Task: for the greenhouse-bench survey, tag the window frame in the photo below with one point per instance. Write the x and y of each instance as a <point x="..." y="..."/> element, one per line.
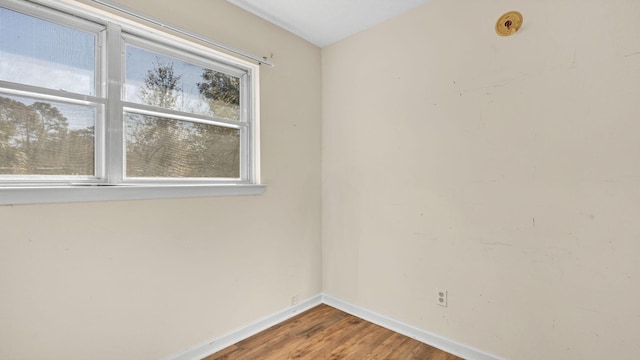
<point x="109" y="181"/>
<point x="243" y="124"/>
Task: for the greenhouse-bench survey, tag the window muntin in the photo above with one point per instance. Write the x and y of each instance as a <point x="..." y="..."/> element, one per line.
<point x="225" y="127"/>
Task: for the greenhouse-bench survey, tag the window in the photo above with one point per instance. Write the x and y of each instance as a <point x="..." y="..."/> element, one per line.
<point x="96" y="110"/>
<point x="50" y="98"/>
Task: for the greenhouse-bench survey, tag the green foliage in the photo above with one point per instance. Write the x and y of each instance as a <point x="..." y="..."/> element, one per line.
<point x="222" y="91"/>
<point x="220" y="87"/>
<point x="161" y="86"/>
<point x="36" y="140"/>
<point x="165" y="147"/>
<point x="180" y="148"/>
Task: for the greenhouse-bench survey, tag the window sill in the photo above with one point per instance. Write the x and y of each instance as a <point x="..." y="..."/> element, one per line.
<point x="66" y="194"/>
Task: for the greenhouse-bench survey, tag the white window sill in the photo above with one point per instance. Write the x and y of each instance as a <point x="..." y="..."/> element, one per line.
<point x="65" y="194"/>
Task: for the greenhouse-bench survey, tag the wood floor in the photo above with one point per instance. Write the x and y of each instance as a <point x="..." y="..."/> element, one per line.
<point x="325" y="333"/>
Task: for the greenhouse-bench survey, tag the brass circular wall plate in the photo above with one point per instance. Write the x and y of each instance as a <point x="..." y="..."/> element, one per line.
<point x="509" y="23"/>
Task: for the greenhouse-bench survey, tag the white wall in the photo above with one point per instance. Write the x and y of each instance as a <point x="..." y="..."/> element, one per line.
<point x="504" y="170"/>
<point x="148" y="279"/>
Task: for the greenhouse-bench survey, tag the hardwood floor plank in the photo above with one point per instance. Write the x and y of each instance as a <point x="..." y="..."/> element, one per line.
<point x="281" y="334"/>
<point x="389" y="348"/>
<point x="320" y="346"/>
<point x="325" y="333"/>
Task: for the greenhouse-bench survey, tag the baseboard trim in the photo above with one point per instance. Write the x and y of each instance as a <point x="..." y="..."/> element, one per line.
<point x="206" y="349"/>
<point x="426" y="337"/>
<point x="442" y="343"/>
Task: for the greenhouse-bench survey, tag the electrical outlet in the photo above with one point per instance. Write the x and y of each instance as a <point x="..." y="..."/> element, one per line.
<point x="294" y="300"/>
<point x="441" y="298"/>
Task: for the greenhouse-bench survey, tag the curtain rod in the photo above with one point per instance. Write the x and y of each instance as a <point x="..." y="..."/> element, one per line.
<point x="130" y="12"/>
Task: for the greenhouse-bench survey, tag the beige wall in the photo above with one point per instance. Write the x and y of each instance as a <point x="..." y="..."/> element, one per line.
<point x="147" y="279"/>
<point x="504" y="170"/>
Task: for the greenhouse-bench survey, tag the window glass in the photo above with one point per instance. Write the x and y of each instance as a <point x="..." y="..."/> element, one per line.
<point x="170" y="148"/>
<point x="42" y="137"/>
<point x="40" y="53"/>
<point x="163" y="81"/>
<point x="88" y="103"/>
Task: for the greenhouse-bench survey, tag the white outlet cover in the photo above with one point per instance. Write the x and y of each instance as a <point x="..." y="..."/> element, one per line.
<point x="441" y="297"/>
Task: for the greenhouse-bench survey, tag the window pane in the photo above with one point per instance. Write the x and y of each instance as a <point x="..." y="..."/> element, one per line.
<point x="40" y="53"/>
<point x="40" y="137"/>
<point x="162" y="147"/>
<point x="163" y="81"/>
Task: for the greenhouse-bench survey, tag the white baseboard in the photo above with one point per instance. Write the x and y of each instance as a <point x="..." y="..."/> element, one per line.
<point x="450" y="346"/>
<point x="426" y="337"/>
<point x="204" y="350"/>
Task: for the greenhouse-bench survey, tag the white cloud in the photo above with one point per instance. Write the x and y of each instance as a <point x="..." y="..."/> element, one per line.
<point x="38" y="72"/>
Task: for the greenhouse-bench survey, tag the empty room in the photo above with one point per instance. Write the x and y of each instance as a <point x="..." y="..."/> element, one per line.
<point x="179" y="178"/>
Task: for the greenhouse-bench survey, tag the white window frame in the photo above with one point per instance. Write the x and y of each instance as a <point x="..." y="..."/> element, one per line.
<point x="110" y="182"/>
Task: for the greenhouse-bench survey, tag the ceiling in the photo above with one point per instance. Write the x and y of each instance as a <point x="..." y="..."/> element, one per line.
<point x="323" y="22"/>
